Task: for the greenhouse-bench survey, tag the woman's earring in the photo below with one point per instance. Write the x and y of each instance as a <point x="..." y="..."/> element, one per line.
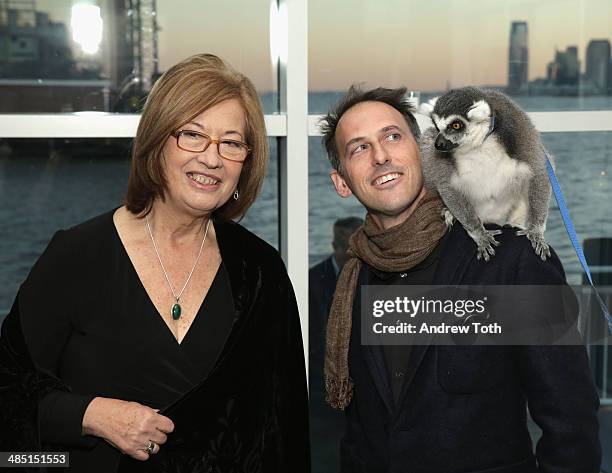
<point x="236" y="195"/>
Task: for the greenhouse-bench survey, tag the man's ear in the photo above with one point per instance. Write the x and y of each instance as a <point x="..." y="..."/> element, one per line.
<point x="342" y="188"/>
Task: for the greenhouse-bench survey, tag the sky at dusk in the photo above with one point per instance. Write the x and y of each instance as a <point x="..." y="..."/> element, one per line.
<point x="426" y="45"/>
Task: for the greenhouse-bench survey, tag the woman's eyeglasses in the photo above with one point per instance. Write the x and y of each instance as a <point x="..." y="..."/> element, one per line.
<point x="197" y="142"/>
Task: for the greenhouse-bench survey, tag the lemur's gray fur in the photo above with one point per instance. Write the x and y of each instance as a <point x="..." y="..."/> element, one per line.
<point x="486" y="160"/>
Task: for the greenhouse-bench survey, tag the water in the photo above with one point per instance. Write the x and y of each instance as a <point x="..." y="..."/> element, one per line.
<point x="321" y="102"/>
<point x="40" y="195"/>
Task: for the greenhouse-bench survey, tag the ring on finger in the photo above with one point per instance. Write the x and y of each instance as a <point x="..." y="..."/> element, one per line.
<point x="150" y="447"/>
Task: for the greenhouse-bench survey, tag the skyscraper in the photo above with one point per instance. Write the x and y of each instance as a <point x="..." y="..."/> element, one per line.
<point x="597" y="63"/>
<point x="565" y="69"/>
<point x="518" y="56"/>
<point x="572" y="65"/>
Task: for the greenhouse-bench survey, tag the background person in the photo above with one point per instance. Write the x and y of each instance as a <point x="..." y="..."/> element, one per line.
<point x="321" y="286"/>
<point x="326" y="425"/>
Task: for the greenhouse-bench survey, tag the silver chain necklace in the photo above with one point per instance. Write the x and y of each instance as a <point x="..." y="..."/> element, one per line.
<point x="176" y="308"/>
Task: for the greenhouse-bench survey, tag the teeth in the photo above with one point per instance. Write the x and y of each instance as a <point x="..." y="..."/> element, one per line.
<point x="202" y="179"/>
<point x="386" y="178"/>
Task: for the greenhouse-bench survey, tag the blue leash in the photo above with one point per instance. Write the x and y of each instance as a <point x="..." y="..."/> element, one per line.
<point x="569" y="226"/>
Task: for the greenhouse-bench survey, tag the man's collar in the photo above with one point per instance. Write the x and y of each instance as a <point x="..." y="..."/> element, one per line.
<point x="335" y="265"/>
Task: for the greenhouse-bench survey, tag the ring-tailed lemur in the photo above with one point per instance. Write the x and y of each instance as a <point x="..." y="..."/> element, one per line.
<point x="486" y="160"/>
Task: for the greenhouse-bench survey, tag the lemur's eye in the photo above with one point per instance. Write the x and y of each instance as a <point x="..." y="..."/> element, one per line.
<point x="457" y="125"/>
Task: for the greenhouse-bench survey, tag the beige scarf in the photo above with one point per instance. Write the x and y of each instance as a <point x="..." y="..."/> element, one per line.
<point x="397" y="249"/>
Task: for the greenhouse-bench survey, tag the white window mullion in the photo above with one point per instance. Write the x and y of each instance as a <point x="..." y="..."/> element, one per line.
<point x="545" y="122"/>
<point x="293" y="176"/>
<point x="92" y="125"/>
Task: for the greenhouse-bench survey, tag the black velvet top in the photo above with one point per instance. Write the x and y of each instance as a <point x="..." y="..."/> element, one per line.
<point x="83" y="326"/>
<point x="115" y="345"/>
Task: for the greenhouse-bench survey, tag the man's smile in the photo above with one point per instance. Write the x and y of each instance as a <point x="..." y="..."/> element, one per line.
<point x="385" y="178"/>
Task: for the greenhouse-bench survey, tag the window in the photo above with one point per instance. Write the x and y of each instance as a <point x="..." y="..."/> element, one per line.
<point x="105" y="55"/>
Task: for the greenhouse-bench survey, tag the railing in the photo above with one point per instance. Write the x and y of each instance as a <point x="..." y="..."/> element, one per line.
<point x="593" y="322"/>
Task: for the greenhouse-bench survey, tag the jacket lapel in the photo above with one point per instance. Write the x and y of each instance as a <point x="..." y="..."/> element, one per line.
<point x="375" y="359"/>
<point x="373" y="354"/>
<point x="245" y="280"/>
<point x="455" y="258"/>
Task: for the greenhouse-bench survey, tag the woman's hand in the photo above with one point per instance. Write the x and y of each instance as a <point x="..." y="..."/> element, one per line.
<point x="128" y="426"/>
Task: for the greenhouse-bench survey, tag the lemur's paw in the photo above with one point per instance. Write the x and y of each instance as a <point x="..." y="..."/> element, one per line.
<point x="538" y="243"/>
<point x="485" y="240"/>
<point x="448" y="217"/>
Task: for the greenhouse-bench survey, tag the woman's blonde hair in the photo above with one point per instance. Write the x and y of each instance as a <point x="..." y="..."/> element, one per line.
<point x="182" y="93"/>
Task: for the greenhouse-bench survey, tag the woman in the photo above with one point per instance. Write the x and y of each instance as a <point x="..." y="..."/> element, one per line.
<point x="162" y="329"/>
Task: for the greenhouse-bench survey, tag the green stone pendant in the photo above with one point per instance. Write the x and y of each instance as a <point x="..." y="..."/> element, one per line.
<point x="176" y="311"/>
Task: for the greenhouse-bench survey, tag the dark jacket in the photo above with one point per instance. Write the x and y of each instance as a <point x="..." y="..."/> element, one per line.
<point x="464" y="408"/>
<point x="321" y="286"/>
<point x="250" y="414"/>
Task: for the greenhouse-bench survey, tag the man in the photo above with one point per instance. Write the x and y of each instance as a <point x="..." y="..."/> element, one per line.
<point x="430" y="409"/>
<point x="326" y="424"/>
<point x="321" y="286"/>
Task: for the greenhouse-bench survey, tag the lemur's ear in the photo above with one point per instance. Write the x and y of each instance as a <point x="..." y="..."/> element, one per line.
<point x="480" y="111"/>
<point x="427" y="108"/>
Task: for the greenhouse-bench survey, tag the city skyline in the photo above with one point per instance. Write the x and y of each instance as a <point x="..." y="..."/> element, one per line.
<point x="425" y="46"/>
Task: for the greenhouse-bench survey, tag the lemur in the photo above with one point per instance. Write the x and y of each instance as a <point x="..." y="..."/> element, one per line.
<point x="486" y="160"/>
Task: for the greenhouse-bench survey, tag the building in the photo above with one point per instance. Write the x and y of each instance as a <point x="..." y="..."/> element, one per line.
<point x="518" y="57"/>
<point x="598" y="64"/>
<point x="31" y="45"/>
<point x="565" y="69"/>
<point x="43" y="69"/>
